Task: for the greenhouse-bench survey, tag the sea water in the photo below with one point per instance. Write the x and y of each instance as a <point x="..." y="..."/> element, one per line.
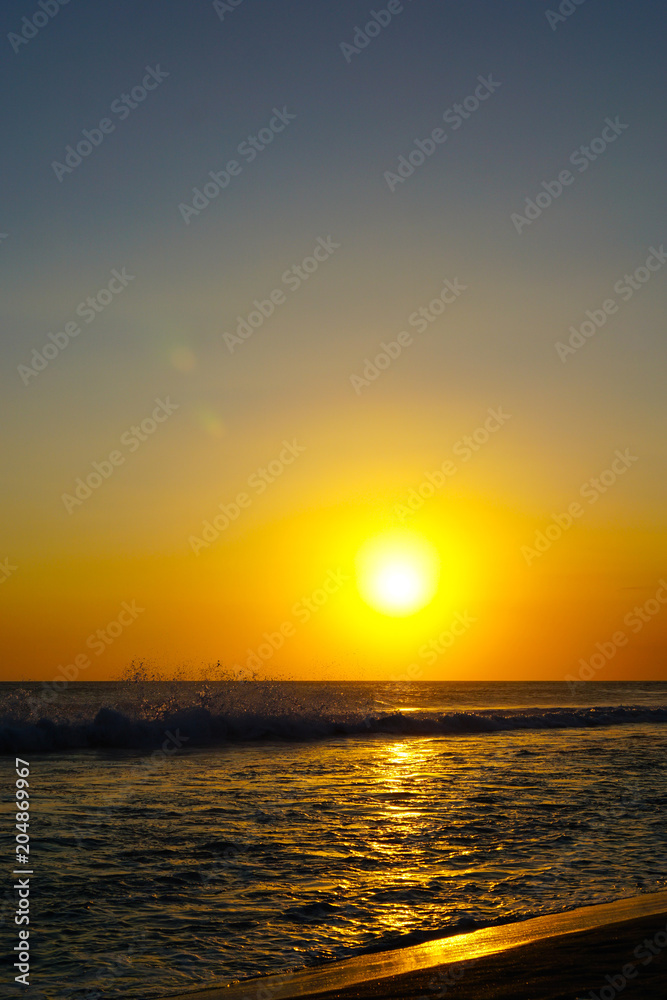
<point x="188" y="834"/>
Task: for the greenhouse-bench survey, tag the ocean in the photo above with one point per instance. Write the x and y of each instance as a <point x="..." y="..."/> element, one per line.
<point x="186" y="834"/>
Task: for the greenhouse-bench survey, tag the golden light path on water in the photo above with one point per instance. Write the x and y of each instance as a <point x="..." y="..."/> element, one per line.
<point x="462" y="947"/>
<point x="320" y="822"/>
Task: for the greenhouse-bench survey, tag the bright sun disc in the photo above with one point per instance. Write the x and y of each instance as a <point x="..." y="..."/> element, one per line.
<point x="397" y="572"/>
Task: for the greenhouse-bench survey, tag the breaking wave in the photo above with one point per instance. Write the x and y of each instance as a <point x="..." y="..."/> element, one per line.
<point x="201" y="726"/>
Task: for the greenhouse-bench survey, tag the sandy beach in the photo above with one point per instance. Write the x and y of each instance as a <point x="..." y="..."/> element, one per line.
<point x="592" y="953"/>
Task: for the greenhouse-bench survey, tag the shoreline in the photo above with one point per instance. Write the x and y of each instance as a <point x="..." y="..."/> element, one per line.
<point x="608" y="949"/>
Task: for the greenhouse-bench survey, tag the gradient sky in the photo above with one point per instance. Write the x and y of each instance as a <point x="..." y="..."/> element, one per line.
<point x="67" y="574"/>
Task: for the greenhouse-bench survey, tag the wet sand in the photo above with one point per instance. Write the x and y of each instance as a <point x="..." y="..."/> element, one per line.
<point x="593" y="953"/>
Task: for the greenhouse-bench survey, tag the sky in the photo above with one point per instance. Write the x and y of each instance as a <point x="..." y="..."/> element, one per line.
<point x="216" y="219"/>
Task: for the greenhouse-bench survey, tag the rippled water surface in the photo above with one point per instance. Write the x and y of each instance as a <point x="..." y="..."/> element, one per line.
<point x="173" y="853"/>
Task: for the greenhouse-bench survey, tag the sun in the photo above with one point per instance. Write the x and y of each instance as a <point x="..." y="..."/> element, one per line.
<point x="397" y="572"/>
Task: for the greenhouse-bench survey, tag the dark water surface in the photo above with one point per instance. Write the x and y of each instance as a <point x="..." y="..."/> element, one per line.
<point x="185" y="834"/>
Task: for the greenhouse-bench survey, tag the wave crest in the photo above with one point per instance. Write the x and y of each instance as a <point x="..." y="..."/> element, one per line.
<point x="200" y="726"/>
